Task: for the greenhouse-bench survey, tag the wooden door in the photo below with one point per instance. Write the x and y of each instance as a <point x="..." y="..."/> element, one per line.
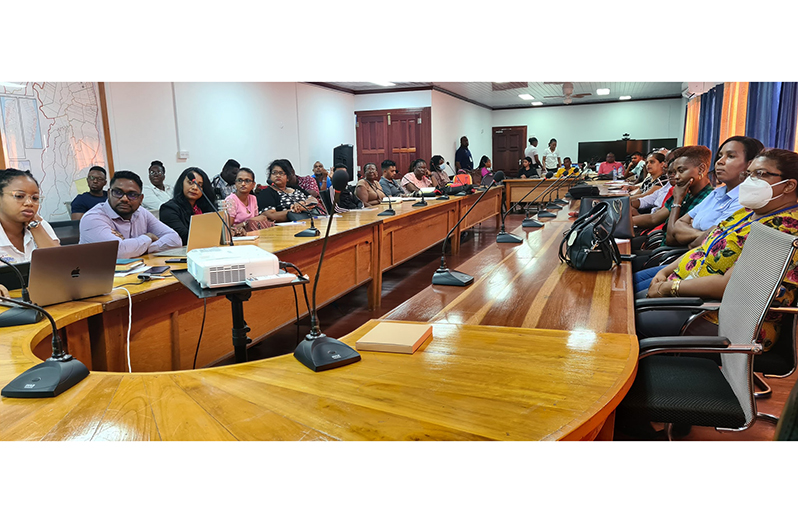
<point x="509" y="144"/>
<point x="401" y="135"/>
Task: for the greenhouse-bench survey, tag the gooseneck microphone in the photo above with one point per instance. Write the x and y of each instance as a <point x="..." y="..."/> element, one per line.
<point x="227" y="227"/>
<point x="318" y="352"/>
<point x="445" y="276"/>
<point x="309" y="232"/>
<point x="49" y="378"/>
<point x="20" y="315"/>
<point x="549" y="190"/>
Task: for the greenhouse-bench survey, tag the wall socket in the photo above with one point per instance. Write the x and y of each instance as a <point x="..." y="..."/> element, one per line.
<point x="182" y="155"/>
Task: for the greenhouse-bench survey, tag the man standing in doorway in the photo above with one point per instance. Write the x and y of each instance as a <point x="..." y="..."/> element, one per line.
<point x="462" y="157"/>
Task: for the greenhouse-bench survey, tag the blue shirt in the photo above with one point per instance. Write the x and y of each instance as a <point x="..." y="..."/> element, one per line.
<point x="715" y="208"/>
<point x="463" y="155"/>
<point x="390" y="188"/>
<point x="97" y="226"/>
<point x="84" y="202"/>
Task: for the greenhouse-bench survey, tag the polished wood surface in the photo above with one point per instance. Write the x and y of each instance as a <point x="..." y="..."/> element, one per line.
<point x="468" y="383"/>
<point x="526" y="285"/>
<point x="517" y="188"/>
<point x="481" y="377"/>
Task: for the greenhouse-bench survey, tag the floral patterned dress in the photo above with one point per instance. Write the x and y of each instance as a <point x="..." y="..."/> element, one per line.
<point x="720" y="251"/>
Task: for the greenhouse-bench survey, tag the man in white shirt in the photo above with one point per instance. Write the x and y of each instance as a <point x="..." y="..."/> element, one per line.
<point x="158" y="193"/>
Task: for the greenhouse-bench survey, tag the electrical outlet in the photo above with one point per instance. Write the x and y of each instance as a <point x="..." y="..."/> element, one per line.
<point x="182" y="155"/>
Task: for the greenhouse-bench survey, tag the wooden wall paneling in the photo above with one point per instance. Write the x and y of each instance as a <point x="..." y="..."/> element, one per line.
<point x="78" y="341"/>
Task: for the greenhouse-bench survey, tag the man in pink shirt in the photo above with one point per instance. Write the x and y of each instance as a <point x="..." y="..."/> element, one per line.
<point x="609" y="165"/>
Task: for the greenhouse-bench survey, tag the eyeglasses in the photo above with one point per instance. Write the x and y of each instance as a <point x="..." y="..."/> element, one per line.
<point x="96" y="178"/>
<point x="242" y="181"/>
<point x="155" y="173"/>
<point x="278" y="173"/>
<point x="132" y="195"/>
<point x="757" y="175"/>
<point x="22" y="197"/>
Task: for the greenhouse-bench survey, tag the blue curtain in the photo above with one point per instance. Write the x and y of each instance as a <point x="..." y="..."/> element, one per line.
<point x="772" y="113"/>
<point x="709" y="118"/>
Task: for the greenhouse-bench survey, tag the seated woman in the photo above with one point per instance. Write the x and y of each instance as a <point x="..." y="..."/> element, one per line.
<point x="438" y="176"/>
<point x="278" y="199"/>
<point x="188" y="201"/>
<point x="417" y="177"/>
<point x="768" y="196"/>
<point x="734" y="157"/>
<point x="526" y="170"/>
<point x="242" y="206"/>
<point x="368" y="188"/>
<point x="21" y="228"/>
<point x="691" y="165"/>
<point x="484" y="167"/>
<point x="652" y="196"/>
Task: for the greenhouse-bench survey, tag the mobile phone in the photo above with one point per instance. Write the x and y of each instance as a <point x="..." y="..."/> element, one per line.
<point x="176" y="260"/>
<point x="157" y="270"/>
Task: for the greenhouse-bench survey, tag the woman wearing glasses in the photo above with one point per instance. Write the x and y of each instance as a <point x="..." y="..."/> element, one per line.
<point x="21" y="228"/>
<point x="768" y="195"/>
<point x="242" y="206"/>
<point x="188" y="201"/>
<point x="280" y="198"/>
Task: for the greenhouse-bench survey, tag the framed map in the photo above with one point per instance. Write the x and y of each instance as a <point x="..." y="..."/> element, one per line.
<point x="55" y="130"/>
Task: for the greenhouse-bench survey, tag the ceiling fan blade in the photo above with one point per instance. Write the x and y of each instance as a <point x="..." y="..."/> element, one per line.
<point x="580" y="95"/>
<point x="552" y="97"/>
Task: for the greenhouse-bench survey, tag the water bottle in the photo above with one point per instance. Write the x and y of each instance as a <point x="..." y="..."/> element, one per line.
<point x="615" y="174"/>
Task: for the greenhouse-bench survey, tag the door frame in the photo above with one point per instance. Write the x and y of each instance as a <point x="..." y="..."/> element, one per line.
<point x="493" y="143"/>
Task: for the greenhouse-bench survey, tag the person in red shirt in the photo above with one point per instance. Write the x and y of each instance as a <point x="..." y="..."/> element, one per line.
<point x="609" y="164"/>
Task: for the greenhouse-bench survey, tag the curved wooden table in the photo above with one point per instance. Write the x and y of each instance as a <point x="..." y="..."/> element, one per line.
<point x="472" y="381"/>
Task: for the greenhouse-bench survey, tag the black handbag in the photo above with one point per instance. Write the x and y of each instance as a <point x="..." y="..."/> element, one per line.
<point x="589" y="245"/>
<point x="619" y="214"/>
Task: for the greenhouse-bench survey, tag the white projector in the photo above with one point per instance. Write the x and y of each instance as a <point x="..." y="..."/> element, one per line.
<point x="227" y="266"/>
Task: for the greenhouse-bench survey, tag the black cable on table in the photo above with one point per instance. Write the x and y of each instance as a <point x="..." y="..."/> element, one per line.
<point x="202" y="328"/>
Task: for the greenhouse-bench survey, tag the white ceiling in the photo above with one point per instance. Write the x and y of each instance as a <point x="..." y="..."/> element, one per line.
<point x="505" y="94"/>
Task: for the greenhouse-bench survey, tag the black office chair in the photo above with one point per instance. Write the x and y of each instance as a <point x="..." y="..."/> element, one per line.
<point x="68" y="231"/>
<point x="326" y="200"/>
<point x="787" y="427"/>
<point x="692" y="390"/>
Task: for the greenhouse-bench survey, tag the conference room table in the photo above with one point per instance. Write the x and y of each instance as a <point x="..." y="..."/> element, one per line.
<point x="530" y="351"/>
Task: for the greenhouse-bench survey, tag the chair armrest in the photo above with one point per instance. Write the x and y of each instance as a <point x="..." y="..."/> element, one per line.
<point x="668" y="302"/>
<point x="663" y="248"/>
<point x="665" y="256"/>
<point x="784" y="310"/>
<point x="694" y="345"/>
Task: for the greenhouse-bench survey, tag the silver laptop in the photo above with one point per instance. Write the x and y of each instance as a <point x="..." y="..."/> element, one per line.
<point x="205" y="230"/>
<point x="71" y="272"/>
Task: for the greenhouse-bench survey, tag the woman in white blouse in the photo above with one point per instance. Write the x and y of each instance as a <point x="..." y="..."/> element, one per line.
<point x="21" y="228"/>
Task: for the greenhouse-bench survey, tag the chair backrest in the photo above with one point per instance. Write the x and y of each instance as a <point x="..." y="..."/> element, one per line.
<point x="462" y="179"/>
<point x="757" y="274"/>
<point x="68" y="231"/>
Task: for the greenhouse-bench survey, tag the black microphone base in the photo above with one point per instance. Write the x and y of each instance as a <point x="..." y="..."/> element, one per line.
<point x="422" y="203"/>
<point x="531" y="222"/>
<point x="444" y="197"/>
<point x="560" y="201"/>
<point x="19" y="316"/>
<point x="451" y="278"/>
<point x="323" y="353"/>
<point x="46" y="380"/>
<point x="546" y="214"/>
<point x="387" y="212"/>
<point x="506" y="237"/>
<point x="308" y="233"/>
<point x="553" y="206"/>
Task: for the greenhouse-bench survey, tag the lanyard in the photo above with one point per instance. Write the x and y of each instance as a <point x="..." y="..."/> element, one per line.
<point x="736" y="227"/>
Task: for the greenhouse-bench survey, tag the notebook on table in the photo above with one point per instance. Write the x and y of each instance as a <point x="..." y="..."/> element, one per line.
<point x="205" y="230"/>
<point x="71" y="272"/>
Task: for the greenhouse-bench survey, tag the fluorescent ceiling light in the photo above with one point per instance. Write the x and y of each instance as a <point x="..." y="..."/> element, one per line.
<point x="602" y="91"/>
<point x="384" y="84"/>
<point x="526" y="96"/>
<point x="625" y="98"/>
<point x="537" y="103"/>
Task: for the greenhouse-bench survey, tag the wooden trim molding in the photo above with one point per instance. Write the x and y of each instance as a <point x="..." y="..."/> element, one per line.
<point x="106" y="128"/>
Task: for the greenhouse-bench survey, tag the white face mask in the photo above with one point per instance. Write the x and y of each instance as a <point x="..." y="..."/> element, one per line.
<point x="756" y="193"/>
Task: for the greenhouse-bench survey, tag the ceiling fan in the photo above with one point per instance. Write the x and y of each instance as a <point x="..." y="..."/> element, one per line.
<point x="567" y="92"/>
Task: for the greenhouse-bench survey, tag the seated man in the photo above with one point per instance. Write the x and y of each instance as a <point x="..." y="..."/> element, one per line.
<point x="607" y="167"/>
<point x="122" y="219"/>
<point x="387" y="182"/>
<point x="567" y="168"/>
<point x="97" y="178"/>
<point x="224" y="183"/>
<point x="636" y="167"/>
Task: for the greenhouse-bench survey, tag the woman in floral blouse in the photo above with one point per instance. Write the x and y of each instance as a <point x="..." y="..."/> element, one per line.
<point x="768" y="195"/>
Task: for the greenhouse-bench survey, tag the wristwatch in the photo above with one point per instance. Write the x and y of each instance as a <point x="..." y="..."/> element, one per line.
<point x="33" y="224"/>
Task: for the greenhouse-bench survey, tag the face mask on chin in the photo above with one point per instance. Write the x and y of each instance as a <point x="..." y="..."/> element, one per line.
<point x="755" y="193"/>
